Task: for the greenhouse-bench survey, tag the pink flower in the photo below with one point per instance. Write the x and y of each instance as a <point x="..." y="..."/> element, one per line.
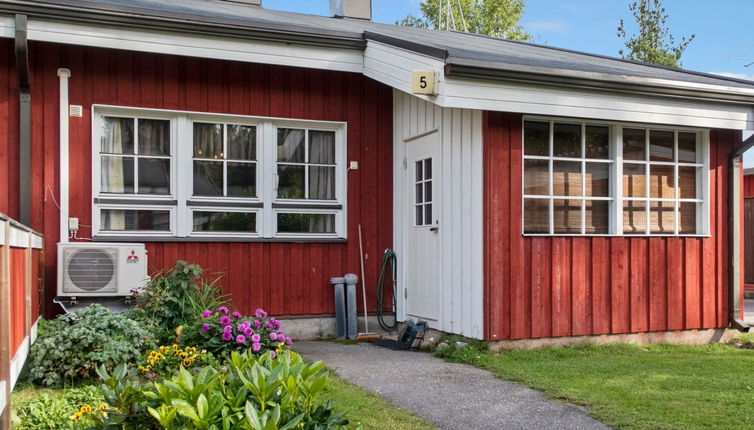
<point x="205" y="327"/>
<point x="223" y="309"/>
<point x="225" y="320"/>
<point x="256" y="338"/>
<point x="260" y="313"/>
<point x="227" y="336"/>
<point x="237" y="314"/>
<point x="248" y="331"/>
<point x="289" y="341"/>
<point x="281" y="335"/>
<point x="241" y="327"/>
<point x="258" y="323"/>
<point x="256" y="346"/>
<point x="206" y="314"/>
<point x="273" y="354"/>
<point x="273" y="336"/>
<point x="269" y="325"/>
<point x="240" y="338"/>
<point x="228" y="329"/>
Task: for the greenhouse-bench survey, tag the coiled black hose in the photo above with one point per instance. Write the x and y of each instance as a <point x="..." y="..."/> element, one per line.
<point x="387" y="258"/>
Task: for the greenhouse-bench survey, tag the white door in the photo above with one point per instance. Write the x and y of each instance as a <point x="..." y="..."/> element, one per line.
<point x="422" y="220"/>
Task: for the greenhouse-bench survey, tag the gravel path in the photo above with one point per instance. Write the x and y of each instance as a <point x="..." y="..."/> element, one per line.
<point x="452" y="396"/>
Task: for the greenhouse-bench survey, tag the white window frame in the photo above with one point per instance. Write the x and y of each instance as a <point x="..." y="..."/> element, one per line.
<point x="182" y="203"/>
<point x="616" y="199"/>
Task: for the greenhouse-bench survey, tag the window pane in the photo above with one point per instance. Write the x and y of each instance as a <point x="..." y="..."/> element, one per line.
<point x="242" y="142"/>
<point x="661" y="182"/>
<point x="419" y="193"/>
<point x="117" y="174"/>
<point x="597" y="179"/>
<point x="566" y="140"/>
<point x="597" y="216"/>
<point x="242" y="179"/>
<point x="687" y="218"/>
<point x="634" y="217"/>
<point x="225" y="221"/>
<point x="306" y="223"/>
<point x="208" y="178"/>
<point x="154" y="137"/>
<point x="154" y="176"/>
<point x="597" y="142"/>
<point x="662" y="217"/>
<point x="687" y="147"/>
<point x="687" y="182"/>
<point x="536" y="216"/>
<point x="291" y="145"/>
<point x="567" y="216"/>
<point x="634" y="180"/>
<point x="322" y="147"/>
<point x="428" y="168"/>
<point x="634" y="144"/>
<point x="428" y="191"/>
<point x="661" y="145"/>
<point x="208" y="140"/>
<point x="536" y="138"/>
<point x="419" y="215"/>
<point x="132" y="220"/>
<point x="117" y="135"/>
<point x="419" y="165"/>
<point x="291" y="182"/>
<point x="428" y="214"/>
<point x="566" y="178"/>
<point x="322" y="183"/>
<point x="536" y="177"/>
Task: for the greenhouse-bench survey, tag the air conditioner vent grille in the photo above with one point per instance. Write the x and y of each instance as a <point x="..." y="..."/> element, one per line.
<point x="91" y="270"/>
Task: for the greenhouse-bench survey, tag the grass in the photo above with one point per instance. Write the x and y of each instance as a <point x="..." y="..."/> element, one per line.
<point x="637" y="387"/>
<point x="372" y="411"/>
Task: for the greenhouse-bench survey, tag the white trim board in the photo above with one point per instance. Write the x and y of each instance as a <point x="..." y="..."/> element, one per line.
<point x="221" y="48"/>
<point x="18" y="361"/>
<point x="3" y="400"/>
<point x="18" y="238"/>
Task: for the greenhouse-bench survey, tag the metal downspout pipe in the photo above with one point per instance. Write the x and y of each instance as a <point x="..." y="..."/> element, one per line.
<point x="735" y="197"/>
<point x="24" y="121"/>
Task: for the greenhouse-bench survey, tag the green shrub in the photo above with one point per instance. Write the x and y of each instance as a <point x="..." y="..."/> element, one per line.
<point x="50" y="412"/>
<point x="177" y="298"/>
<point x="221" y="332"/>
<point x="73" y="345"/>
<point x="251" y="393"/>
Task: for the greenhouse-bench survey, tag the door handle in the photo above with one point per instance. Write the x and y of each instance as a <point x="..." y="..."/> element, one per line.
<point x="434" y="228"/>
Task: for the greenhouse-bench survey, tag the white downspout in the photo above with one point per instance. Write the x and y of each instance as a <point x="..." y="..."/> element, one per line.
<point x="64" y="74"/>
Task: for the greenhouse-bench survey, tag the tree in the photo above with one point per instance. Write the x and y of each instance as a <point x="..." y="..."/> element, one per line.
<point x="496" y="18"/>
<point x="654" y="43"/>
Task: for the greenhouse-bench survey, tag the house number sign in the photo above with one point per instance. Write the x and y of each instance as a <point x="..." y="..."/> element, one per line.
<point x="425" y="82"/>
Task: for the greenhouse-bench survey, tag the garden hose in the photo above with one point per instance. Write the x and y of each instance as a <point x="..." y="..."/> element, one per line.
<point x="388" y="258"/>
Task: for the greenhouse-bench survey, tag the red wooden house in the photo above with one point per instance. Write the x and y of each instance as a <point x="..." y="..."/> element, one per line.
<point x="528" y="191"/>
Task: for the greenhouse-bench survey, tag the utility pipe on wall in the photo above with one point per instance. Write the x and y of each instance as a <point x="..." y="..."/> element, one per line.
<point x="24" y="121"/>
<point x="64" y="74"/>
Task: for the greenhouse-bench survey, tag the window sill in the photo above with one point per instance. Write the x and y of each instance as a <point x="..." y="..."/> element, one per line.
<point x="218" y="239"/>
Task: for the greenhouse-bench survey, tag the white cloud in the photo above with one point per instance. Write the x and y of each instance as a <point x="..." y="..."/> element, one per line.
<point x="749" y="77"/>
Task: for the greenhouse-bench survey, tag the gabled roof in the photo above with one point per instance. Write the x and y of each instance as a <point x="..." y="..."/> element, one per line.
<point x="464" y="54"/>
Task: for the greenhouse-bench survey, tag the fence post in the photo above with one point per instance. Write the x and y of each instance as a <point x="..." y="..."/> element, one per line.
<point x="5" y="321"/>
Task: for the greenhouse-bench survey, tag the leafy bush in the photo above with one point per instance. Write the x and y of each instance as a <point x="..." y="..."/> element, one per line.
<point x="251" y="393"/>
<point x="49" y="412"/>
<point x="73" y="345"/>
<point x="222" y="331"/>
<point x="177" y="298"/>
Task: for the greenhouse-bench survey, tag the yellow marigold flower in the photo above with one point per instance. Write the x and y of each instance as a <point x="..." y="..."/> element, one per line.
<point x="183" y="355"/>
<point x="86" y="409"/>
<point x="186" y="363"/>
<point x="164" y="349"/>
<point x="75" y="417"/>
<point x="179" y="330"/>
<point x="104" y="406"/>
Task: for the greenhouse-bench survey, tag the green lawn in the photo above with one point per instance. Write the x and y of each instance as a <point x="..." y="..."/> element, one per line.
<point x="638" y="387"/>
<point x="371" y="411"/>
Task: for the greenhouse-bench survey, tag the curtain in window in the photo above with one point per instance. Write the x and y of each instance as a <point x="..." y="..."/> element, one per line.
<point x="322" y="179"/>
<point x="113" y="176"/>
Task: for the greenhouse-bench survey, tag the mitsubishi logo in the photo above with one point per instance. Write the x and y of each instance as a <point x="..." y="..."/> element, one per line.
<point x="132" y="257"/>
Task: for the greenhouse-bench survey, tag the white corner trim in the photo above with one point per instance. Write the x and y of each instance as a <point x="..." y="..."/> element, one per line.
<point x="221" y="48"/>
<point x="17" y="364"/>
<point x="2" y="232"/>
<point x="34" y="331"/>
<point x="3" y="400"/>
<point x="64" y="74"/>
<point x="18" y="238"/>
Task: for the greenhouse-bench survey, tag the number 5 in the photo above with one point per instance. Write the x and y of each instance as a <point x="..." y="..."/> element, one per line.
<point x="423" y="82"/>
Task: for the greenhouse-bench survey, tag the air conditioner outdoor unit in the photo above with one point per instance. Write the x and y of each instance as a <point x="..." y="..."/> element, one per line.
<point x="101" y="269"/>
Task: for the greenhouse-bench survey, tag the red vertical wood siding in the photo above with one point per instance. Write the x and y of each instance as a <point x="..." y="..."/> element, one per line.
<point x="17" y="298"/>
<point x="284" y="278"/>
<point x="36" y="256"/>
<point x="564" y="286"/>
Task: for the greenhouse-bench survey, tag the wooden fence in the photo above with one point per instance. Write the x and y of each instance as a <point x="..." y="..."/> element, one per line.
<point x="21" y="299"/>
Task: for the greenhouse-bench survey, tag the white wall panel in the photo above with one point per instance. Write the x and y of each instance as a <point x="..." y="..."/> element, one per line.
<point x="461" y="252"/>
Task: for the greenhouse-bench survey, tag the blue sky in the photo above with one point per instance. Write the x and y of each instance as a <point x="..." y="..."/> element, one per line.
<point x="722" y="44"/>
